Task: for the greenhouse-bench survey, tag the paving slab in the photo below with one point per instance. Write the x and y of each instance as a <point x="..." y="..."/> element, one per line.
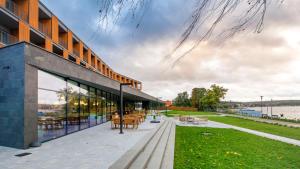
<point x="96" y="147"/>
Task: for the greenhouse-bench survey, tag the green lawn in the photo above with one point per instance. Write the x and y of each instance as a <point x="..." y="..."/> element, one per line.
<point x="259" y="126"/>
<point x="209" y="148"/>
<point x="192" y="113"/>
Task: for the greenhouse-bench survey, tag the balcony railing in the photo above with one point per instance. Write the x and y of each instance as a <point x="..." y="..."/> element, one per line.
<point x="63" y="43"/>
<point x="45" y="29"/>
<point x="13" y="7"/>
<point x="7" y="38"/>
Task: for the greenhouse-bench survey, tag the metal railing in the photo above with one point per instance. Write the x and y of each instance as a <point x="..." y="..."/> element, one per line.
<point x="7" y="38"/>
<point x="45" y="29"/>
<point x="13" y="7"/>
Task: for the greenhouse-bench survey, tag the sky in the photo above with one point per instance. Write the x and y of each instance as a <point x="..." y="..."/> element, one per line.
<point x="249" y="65"/>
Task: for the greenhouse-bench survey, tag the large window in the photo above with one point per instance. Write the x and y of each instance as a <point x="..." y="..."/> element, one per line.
<point x="66" y="106"/>
<point x="84" y="107"/>
<point x="51" y="106"/>
<point x="93" y="107"/>
<point x="73" y="106"/>
<point x="99" y="107"/>
<point x="103" y="106"/>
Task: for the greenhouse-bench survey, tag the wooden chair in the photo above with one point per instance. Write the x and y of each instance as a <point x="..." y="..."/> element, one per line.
<point x="130" y="121"/>
<point x="115" y="121"/>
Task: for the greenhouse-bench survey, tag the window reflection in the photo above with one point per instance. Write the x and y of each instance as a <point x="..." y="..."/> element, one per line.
<point x="103" y="106"/>
<point x="51" y="82"/>
<point x="65" y="106"/>
<point x="73" y="106"/>
<point x="51" y="114"/>
<point x="99" y="107"/>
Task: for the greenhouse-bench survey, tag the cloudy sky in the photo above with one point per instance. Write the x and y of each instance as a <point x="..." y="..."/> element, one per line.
<point x="249" y="64"/>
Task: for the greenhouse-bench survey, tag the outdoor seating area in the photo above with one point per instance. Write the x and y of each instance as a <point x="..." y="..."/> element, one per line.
<point x="132" y="120"/>
<point x="193" y="120"/>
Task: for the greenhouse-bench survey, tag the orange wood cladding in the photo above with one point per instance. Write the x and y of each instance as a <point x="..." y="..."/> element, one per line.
<point x="65" y="54"/>
<point x="54" y="29"/>
<point x="48" y="45"/>
<point x="80" y="50"/>
<point x="23" y="9"/>
<point x="89" y="54"/>
<point x="46" y="24"/>
<point x="70" y="41"/>
<point x="34" y="13"/>
<point x="24" y="32"/>
<point x="2" y="3"/>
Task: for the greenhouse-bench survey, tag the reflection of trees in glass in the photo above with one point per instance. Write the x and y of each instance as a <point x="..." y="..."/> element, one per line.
<point x="52" y="107"/>
<point x="73" y="99"/>
<point x="84" y="107"/>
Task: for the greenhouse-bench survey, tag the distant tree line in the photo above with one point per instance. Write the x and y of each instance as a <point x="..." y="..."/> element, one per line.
<point x="201" y="98"/>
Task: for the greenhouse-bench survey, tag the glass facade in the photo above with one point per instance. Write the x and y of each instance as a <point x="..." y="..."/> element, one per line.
<point x="66" y="106"/>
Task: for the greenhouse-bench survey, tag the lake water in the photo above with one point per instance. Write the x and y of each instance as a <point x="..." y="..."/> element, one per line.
<point x="289" y="112"/>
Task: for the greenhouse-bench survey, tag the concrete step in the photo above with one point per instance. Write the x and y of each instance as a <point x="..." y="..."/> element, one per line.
<point x="141" y="161"/>
<point x="127" y="159"/>
<point x="168" y="159"/>
<point x="155" y="151"/>
<point x="159" y="152"/>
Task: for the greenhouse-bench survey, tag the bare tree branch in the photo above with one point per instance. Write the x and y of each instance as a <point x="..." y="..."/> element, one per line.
<point x="206" y="12"/>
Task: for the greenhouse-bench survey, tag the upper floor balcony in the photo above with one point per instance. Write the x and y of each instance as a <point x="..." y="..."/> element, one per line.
<point x="45" y="29"/>
<point x="18" y="7"/>
<point x="6" y="38"/>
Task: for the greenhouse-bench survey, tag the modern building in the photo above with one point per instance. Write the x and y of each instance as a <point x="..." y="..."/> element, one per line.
<point x="51" y="83"/>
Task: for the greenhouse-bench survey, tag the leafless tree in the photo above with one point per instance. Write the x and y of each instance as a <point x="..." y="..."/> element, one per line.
<point x="205" y="12"/>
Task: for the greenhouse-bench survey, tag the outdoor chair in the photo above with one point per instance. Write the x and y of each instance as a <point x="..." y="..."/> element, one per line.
<point x="131" y="121"/>
<point x="115" y="121"/>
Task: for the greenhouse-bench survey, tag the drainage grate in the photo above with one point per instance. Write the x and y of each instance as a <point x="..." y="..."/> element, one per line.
<point x="22" y="154"/>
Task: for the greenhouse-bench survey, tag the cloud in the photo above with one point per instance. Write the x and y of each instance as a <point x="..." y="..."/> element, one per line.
<point x="249" y="64"/>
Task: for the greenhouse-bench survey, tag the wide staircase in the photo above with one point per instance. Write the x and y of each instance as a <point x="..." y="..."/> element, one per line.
<point x="154" y="151"/>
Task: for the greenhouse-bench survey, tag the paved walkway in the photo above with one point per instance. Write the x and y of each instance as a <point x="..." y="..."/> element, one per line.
<point x="283" y="123"/>
<point x="94" y="148"/>
<point x="222" y="125"/>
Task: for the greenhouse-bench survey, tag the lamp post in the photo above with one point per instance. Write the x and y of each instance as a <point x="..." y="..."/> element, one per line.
<point x="261" y="105"/>
<point x="121" y="105"/>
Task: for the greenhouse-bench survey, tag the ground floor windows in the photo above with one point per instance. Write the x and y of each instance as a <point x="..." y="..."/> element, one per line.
<point x="66" y="106"/>
<point x="51" y="114"/>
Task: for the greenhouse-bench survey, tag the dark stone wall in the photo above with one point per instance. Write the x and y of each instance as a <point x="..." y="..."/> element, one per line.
<point x="12" y="96"/>
<point x="30" y="105"/>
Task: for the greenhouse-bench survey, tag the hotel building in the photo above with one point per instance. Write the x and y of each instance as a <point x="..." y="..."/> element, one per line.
<point x="51" y="83"/>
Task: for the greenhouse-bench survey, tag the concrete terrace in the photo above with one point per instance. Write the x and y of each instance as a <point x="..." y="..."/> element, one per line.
<point x="96" y="147"/>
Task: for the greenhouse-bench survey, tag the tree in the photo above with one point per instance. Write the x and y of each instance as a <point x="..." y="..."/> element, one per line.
<point x="213" y="96"/>
<point x="182" y="99"/>
<point x="197" y="95"/>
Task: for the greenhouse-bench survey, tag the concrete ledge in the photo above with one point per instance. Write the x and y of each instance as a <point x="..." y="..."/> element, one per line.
<point x="126" y="160"/>
<point x="168" y="160"/>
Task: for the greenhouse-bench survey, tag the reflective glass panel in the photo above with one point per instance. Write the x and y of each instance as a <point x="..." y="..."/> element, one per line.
<point x="73" y="106"/>
<point x="51" y="82"/>
<point x="51" y="114"/>
<point x="84" y="112"/>
<point x="99" y="107"/>
<point x="103" y="105"/>
<point x="93" y="111"/>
